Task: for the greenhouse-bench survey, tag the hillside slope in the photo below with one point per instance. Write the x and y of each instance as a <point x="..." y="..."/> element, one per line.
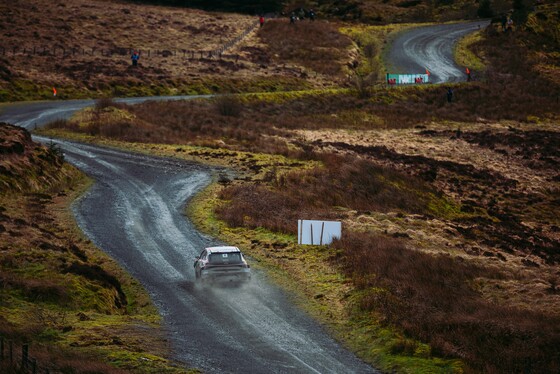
<point x="58" y="293"/>
<point x="83" y="49"/>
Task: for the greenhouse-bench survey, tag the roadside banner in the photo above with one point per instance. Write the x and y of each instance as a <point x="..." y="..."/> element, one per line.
<point x="396" y="79"/>
<point x="318" y="232"/>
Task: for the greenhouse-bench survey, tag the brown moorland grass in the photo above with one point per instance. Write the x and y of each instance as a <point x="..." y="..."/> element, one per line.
<point x="433" y="298"/>
<point x="342" y="182"/>
<point x="195" y="122"/>
<point x="81" y="47"/>
<point x="318" y="46"/>
<point x="95" y="37"/>
<point x="509" y="90"/>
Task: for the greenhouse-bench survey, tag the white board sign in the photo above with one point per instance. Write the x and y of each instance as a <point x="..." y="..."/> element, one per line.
<point x="318" y="232"/>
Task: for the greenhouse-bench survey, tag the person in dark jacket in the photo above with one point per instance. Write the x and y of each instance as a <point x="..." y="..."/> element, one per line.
<point x="135" y="57"/>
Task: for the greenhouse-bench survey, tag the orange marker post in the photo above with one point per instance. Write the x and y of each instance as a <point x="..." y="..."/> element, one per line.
<point x="54" y="91"/>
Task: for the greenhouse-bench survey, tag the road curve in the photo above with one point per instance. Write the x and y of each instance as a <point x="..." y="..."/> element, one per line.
<point x="430" y="47"/>
<point x="134" y="212"/>
<point x="38" y="113"/>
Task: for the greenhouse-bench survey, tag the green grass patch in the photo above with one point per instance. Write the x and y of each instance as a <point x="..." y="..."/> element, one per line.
<point x="465" y="56"/>
<point x="370" y="41"/>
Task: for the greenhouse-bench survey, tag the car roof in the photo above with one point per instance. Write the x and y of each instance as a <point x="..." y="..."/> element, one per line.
<point x="222" y="249"/>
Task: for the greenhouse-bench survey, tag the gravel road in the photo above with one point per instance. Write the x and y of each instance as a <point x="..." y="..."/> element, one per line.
<point x="430" y="47"/>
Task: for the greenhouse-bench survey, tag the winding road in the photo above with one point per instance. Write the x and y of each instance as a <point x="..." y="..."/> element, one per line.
<point x="430" y="47"/>
<point x="134" y="212"/>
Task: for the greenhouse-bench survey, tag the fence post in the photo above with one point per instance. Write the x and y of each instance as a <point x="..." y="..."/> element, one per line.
<point x="34" y="366"/>
<point x="24" y="355"/>
<point x="11" y="349"/>
<point x="1" y="348"/>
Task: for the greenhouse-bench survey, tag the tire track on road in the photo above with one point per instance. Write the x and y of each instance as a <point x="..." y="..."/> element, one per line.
<point x="430" y="47"/>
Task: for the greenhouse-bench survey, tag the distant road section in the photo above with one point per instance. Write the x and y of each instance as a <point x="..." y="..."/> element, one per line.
<point x="431" y="48"/>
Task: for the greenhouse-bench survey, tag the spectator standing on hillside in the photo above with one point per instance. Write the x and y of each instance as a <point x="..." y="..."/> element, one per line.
<point x="261" y="21"/>
<point x="312" y="15"/>
<point x="449" y="95"/>
<point x="468" y="72"/>
<point x="135" y="57"/>
<point x="293" y="18"/>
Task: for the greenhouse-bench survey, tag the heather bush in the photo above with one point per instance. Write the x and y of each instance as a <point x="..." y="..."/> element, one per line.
<point x="431" y="297"/>
<point x="103" y="103"/>
<point x="343" y="181"/>
<point x="315" y="45"/>
<point x="228" y="105"/>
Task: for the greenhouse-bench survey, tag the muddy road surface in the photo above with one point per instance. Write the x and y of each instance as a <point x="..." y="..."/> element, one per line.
<point x="135" y="212"/>
<point x="430" y="47"/>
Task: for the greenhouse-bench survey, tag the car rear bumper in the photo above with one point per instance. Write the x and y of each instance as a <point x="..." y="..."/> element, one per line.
<point x="226" y="275"/>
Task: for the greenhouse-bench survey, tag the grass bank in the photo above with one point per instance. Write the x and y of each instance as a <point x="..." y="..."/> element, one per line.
<point x="76" y="308"/>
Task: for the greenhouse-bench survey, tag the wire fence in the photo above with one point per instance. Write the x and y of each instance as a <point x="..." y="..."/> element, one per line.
<point x="62" y="51"/>
<point x="16" y="358"/>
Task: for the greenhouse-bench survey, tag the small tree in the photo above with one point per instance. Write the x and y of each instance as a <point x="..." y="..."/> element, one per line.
<point x="228" y="105"/>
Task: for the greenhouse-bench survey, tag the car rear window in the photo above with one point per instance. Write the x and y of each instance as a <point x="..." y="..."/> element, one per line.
<point x="225" y="258"/>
